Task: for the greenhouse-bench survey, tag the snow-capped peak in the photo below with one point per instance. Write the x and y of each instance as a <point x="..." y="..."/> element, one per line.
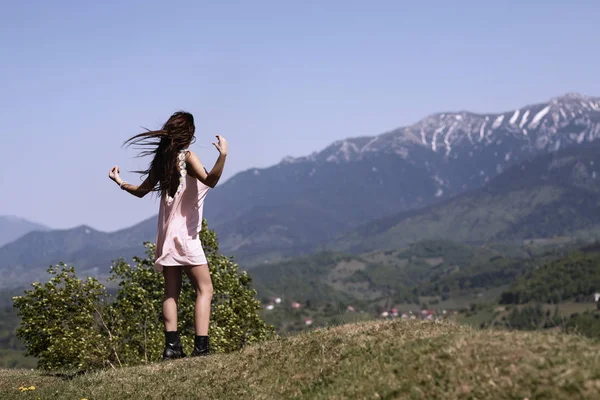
<point x="569" y="118"/>
<point x="572" y="96"/>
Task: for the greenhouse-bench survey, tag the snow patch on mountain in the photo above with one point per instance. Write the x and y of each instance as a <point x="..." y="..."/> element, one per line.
<point x="498" y="122"/>
<point x="515" y="117"/>
<point x="524" y="119"/>
<point x="538" y="117"/>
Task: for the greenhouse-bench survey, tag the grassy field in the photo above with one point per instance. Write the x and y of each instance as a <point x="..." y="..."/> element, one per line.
<point x="376" y="360"/>
<point x="475" y="320"/>
<point x="567" y="308"/>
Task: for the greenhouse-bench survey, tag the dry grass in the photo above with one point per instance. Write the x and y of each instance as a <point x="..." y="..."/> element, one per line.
<point x="373" y="360"/>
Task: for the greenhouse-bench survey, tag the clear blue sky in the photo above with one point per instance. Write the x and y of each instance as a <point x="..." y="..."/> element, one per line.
<point x="276" y="78"/>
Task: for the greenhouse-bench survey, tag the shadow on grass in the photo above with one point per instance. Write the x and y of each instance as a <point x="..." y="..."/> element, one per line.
<point x="67" y="376"/>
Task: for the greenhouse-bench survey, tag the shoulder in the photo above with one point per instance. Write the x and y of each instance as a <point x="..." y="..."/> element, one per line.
<point x="192" y="158"/>
<point x="190" y="154"/>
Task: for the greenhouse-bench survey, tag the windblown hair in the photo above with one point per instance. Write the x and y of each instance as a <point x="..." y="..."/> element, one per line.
<point x="164" y="145"/>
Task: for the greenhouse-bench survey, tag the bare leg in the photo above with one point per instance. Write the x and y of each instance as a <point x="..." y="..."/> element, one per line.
<point x="200" y="278"/>
<point x="172" y="289"/>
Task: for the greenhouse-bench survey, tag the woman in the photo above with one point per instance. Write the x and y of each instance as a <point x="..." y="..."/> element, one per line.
<point x="182" y="182"/>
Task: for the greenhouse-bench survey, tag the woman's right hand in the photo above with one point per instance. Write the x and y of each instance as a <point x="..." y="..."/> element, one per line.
<point x="222" y="145"/>
<point x="114" y="173"/>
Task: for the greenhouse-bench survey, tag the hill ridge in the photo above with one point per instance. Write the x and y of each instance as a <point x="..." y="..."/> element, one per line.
<point x="388" y="359"/>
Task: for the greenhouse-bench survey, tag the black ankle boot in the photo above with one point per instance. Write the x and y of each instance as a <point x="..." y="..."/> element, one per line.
<point x="173" y="347"/>
<point x="201" y="346"/>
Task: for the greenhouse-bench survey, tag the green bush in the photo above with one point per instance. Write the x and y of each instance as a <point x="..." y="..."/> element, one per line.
<point x="71" y="323"/>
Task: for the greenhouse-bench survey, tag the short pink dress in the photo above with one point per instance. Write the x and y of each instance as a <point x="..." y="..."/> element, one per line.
<point x="180" y="221"/>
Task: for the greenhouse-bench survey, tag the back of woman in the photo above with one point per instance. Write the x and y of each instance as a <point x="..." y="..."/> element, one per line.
<point x="180" y="221"/>
<point x="182" y="182"/>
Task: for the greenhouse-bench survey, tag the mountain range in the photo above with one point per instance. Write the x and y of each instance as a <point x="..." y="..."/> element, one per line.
<point x="385" y="191"/>
<point x="302" y="202"/>
<point x="90" y="250"/>
<point x="12" y="228"/>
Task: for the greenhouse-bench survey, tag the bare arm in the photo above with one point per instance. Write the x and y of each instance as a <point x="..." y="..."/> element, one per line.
<point x="197" y="170"/>
<point x="138" y="191"/>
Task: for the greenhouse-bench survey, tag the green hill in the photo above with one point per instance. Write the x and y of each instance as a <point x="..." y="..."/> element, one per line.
<point x="552" y="292"/>
<point x="433" y="274"/>
<point x="462" y="280"/>
<point x="429" y="267"/>
<point x="381" y="360"/>
<point x="577" y="275"/>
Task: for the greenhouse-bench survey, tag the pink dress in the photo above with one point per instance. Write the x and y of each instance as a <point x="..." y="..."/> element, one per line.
<point x="179" y="222"/>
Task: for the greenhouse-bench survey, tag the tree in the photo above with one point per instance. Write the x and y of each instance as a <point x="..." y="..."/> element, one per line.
<point x="70" y="323"/>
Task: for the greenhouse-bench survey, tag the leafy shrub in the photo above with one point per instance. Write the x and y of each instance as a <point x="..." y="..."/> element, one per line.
<point x="62" y="321"/>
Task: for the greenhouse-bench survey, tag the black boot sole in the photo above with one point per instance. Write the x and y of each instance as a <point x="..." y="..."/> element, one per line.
<point x="200" y="353"/>
<point x="172" y="355"/>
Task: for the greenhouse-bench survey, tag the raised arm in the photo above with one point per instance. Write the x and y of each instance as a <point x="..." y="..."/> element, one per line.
<point x="197" y="170"/>
<point x="138" y="191"/>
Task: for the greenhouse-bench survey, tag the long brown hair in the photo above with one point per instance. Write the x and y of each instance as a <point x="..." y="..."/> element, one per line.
<point x="164" y="145"/>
